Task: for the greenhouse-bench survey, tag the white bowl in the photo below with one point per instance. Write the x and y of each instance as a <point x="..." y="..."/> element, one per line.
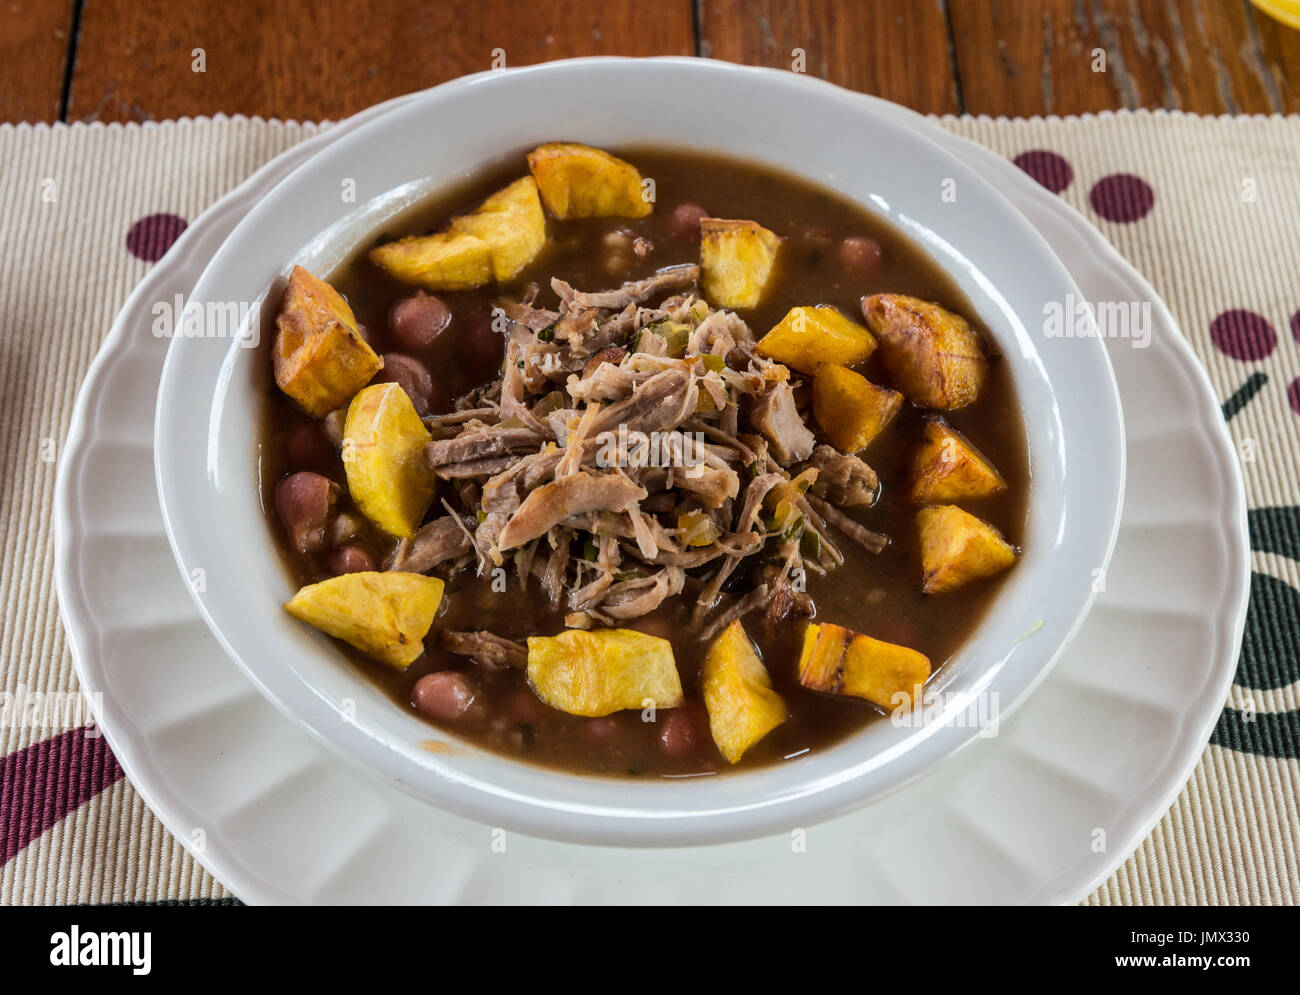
<point x="210" y="404"/>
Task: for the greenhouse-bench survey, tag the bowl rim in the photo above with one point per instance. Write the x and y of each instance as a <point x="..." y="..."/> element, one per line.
<point x="731" y="813"/>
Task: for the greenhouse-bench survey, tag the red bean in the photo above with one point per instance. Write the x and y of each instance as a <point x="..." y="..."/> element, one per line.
<point x="524" y="706"/>
<point x="860" y="256"/>
<point x="484" y="346"/>
<point x="351" y="560"/>
<point x="686" y="221"/>
<point x="307" y="444"/>
<point x="443" y="694"/>
<point x="411" y="375"/>
<point x="303" y="501"/>
<point x="416" y="321"/>
<point x="604" y="728"/>
<point x="682" y="731"/>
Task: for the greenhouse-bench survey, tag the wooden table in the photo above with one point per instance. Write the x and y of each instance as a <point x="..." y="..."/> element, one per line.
<point x="137" y="60"/>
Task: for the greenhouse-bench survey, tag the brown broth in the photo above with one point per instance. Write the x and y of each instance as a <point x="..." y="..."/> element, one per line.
<point x="878" y="595"/>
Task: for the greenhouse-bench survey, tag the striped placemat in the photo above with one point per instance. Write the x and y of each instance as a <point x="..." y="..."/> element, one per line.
<point x="1208" y="209"/>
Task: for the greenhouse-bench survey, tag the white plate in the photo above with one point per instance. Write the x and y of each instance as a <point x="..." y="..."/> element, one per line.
<point x="211" y="396"/>
<point x="1104" y="744"/>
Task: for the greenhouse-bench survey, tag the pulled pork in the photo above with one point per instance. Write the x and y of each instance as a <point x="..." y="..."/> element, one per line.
<point x="633" y="452"/>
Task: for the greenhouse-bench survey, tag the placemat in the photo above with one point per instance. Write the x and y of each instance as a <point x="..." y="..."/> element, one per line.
<point x="1207" y="208"/>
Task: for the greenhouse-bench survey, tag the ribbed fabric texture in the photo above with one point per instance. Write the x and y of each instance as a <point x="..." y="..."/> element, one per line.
<point x="1208" y="209"/>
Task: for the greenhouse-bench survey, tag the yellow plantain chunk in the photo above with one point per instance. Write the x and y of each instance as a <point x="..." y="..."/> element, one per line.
<point x="933" y="355"/>
<point x="512" y="224"/>
<point x="443" y="261"/>
<point x="950" y="468"/>
<point x="850" y="409"/>
<point x="578" y="181"/>
<point x="736" y="259"/>
<point x="385" y="615"/>
<point x="841" y="661"/>
<point x="319" y="357"/>
<point x="807" y="337"/>
<point x="957" y="548"/>
<point x="495" y="241"/>
<point x="603" y="671"/>
<point x="389" y="476"/>
<point x="738" y="693"/>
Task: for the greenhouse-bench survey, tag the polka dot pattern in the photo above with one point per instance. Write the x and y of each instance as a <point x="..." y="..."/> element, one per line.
<point x="1122" y="197"/>
<point x="151" y="236"/>
<point x="1293" y="394"/>
<point x="1050" y="169"/>
<point x="1243" y="335"/>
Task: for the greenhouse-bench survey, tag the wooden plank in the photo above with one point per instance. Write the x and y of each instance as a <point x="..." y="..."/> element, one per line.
<point x="899" y="51"/>
<point x="316" y="59"/>
<point x="33" y="58"/>
<point x="1203" y="56"/>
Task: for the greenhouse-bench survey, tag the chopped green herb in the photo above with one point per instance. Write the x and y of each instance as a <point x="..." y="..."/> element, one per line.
<point x="810" y="545"/>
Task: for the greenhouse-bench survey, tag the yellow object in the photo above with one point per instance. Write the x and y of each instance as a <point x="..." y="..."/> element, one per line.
<point x="385" y="615"/>
<point x="850" y="409"/>
<point x="697" y="529"/>
<point x="512" y="224"/>
<point x="389" y="476"/>
<point x="1286" y="11"/>
<point x="493" y="242"/>
<point x="736" y="259"/>
<point x="598" y="672"/>
<point x="807" y="337"/>
<point x="578" y="181"/>
<point x="319" y="357"/>
<point x="840" y="661"/>
<point x="950" y="468"/>
<point x="738" y="693"/>
<point x="957" y="548"/>
<point x="934" y="356"/>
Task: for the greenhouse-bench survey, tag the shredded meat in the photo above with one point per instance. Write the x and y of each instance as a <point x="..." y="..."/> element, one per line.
<point x="611" y="440"/>
<point x="552" y="503"/>
<point x="843" y="479"/>
<point x="776" y="416"/>
<point x="872" y="542"/>
<point x="440" y="540"/>
<point x="486" y="648"/>
<point x="672" y="278"/>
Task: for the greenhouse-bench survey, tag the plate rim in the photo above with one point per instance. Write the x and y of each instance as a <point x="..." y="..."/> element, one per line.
<point x="229" y="873"/>
<point x="576" y="812"/>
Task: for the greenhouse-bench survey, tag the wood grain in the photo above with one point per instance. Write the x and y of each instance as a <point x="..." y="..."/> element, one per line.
<point x="899" y="51"/>
<point x="314" y="59"/>
<point x="34" y="51"/>
<point x="136" y="59"/>
<point x="1203" y="56"/>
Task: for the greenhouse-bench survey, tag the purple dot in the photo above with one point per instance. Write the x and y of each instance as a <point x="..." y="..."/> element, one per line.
<point x="1243" y="335"/>
<point x="1122" y="197"/>
<point x="1048" y="168"/>
<point x="1293" y="394"/>
<point x="1295" y="326"/>
<point x="151" y="236"/>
